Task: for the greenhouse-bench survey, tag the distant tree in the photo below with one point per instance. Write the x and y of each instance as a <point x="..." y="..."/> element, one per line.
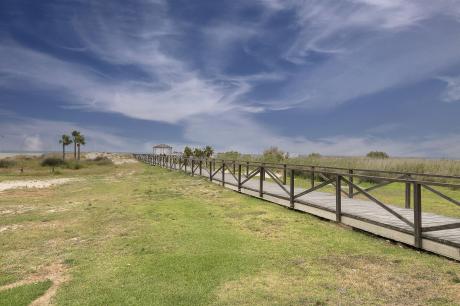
<point x="65" y="141"/>
<point x="188" y="152"/>
<point x="75" y="134"/>
<point x="208" y="151"/>
<point x="198" y="153"/>
<point x="377" y="154"/>
<point x="314" y="155"/>
<point x="80" y="139"/>
<point x="273" y="155"/>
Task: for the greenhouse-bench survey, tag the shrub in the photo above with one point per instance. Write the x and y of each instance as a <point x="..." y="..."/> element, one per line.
<point x="4" y="163"/>
<point x="52" y="162"/>
<point x="273" y="155"/>
<point x="377" y="154"/>
<point x="74" y="165"/>
<point x="314" y="155"/>
<point x="230" y="155"/>
<point x="101" y="161"/>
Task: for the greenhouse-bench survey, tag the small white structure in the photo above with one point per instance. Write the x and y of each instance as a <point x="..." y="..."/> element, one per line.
<point x="162" y="149"/>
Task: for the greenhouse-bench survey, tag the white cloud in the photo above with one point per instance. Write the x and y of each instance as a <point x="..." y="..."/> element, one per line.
<point x="33" y="143"/>
<point x="28" y="134"/>
<point x="372" y="45"/>
<point x="237" y="131"/>
<point x="382" y="62"/>
<point x="327" y="24"/>
<point x="452" y="91"/>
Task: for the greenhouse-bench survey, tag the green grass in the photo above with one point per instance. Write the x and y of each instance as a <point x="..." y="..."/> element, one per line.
<point x="23" y="295"/>
<point x="32" y="167"/>
<point x="140" y="235"/>
<point x="413" y="165"/>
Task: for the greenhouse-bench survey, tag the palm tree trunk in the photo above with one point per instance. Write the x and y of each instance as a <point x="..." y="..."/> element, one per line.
<point x="74" y="150"/>
<point x="78" y="146"/>
<point x="63" y="151"/>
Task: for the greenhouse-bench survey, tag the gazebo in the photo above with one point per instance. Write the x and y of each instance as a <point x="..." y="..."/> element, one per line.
<point x="162" y="149"/>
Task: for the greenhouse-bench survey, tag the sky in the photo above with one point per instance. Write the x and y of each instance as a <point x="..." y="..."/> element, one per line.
<point x="337" y="77"/>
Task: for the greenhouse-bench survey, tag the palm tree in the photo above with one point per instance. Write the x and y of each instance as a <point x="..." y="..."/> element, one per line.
<point x="188" y="152"/>
<point x="75" y="134"/>
<point x="208" y="151"/>
<point x="65" y="141"/>
<point x="80" y="139"/>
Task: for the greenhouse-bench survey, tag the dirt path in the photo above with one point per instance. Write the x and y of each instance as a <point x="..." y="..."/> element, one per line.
<point x="55" y="272"/>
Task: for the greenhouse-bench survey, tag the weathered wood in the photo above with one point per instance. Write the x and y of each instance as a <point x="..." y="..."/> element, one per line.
<point x="338" y="199"/>
<point x="418" y="215"/>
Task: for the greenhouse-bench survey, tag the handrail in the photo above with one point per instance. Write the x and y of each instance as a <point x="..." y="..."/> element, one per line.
<point x="330" y="167"/>
<point x="307" y="168"/>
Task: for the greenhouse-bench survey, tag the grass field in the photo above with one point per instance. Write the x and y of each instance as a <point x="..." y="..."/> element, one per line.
<point x="137" y="235"/>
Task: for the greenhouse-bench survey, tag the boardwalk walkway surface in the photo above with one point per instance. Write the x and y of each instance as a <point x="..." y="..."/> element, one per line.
<point x="362" y="214"/>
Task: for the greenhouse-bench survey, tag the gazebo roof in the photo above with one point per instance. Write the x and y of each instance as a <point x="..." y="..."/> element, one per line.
<point x="162" y="146"/>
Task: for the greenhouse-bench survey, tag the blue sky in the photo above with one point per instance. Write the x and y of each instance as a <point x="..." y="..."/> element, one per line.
<point x="338" y="77"/>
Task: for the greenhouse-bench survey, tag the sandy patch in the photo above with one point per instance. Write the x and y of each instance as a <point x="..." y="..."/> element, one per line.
<point x="116" y="158"/>
<point x="18" y="209"/>
<point x="11" y="227"/>
<point x="34" y="183"/>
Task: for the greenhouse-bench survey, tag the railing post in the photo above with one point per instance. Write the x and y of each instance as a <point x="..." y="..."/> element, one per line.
<point x="234" y="167"/>
<point x="263" y="174"/>
<point x="239" y="177"/>
<point x="408" y="191"/>
<point x="247" y="169"/>
<point x="291" y="189"/>
<point x="284" y="174"/>
<point x="312" y="178"/>
<point x="193" y="167"/>
<point x="418" y="215"/>
<point x="210" y="170"/>
<point x="350" y="186"/>
<point x="223" y="173"/>
<point x="201" y="167"/>
<point x="338" y="199"/>
<point x="261" y="181"/>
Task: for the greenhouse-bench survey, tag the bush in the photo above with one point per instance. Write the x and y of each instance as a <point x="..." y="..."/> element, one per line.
<point x="273" y="155"/>
<point x="101" y="161"/>
<point x="74" y="165"/>
<point x="377" y="154"/>
<point x="314" y="155"/>
<point x="230" y="155"/>
<point x="4" y="163"/>
<point x="52" y="162"/>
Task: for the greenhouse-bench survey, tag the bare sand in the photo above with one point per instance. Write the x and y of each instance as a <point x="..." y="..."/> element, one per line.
<point x="116" y="158"/>
<point x="34" y="183"/>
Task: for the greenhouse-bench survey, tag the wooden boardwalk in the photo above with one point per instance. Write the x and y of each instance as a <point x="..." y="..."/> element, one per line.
<point x="362" y="214"/>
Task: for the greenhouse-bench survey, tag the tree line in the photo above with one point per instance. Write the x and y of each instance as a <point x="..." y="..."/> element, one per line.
<point x="77" y="138"/>
<point x="206" y="152"/>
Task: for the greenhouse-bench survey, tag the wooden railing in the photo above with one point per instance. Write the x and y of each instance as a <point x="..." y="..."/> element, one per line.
<point x="243" y="171"/>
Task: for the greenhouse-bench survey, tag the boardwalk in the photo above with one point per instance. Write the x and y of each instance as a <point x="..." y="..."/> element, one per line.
<point x="362" y="214"/>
